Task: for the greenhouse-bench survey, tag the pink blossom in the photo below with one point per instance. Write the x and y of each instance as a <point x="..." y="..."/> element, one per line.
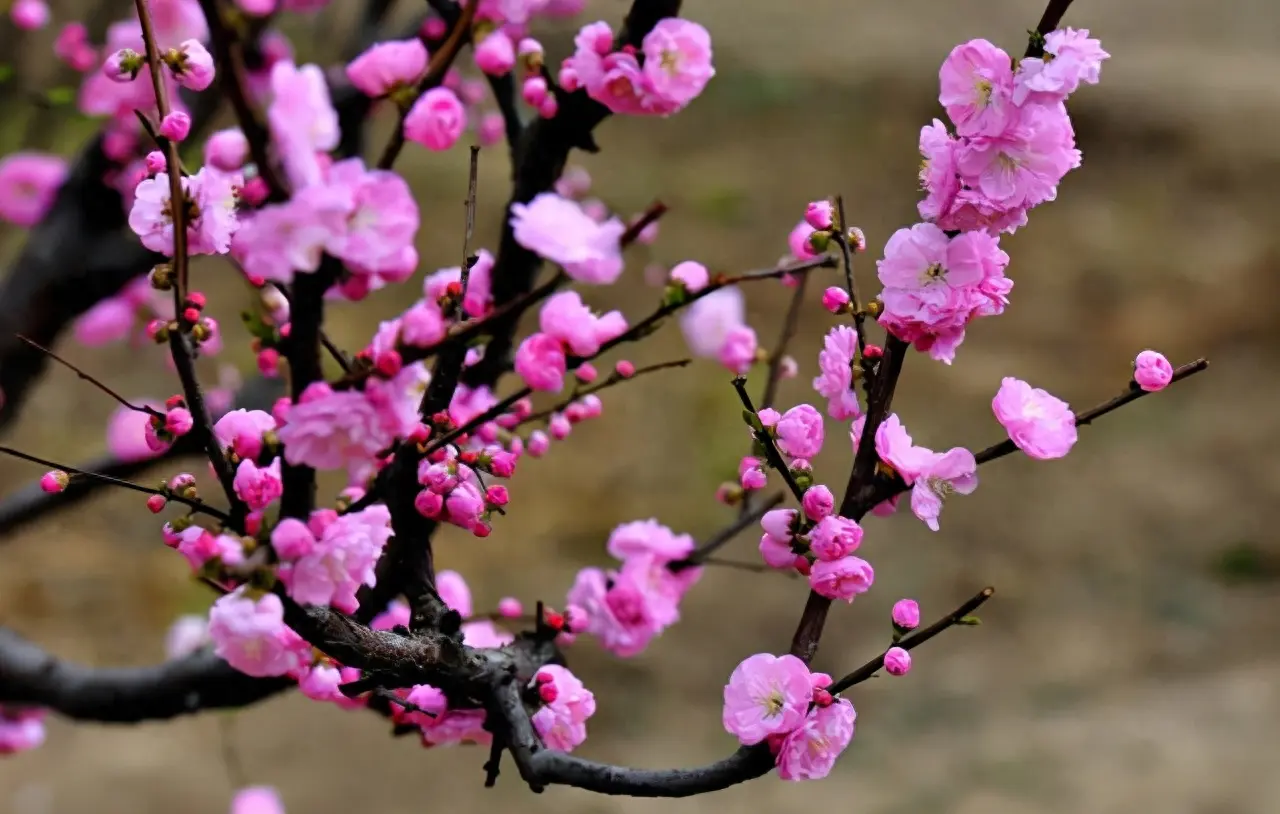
<point x="977" y="88"/>
<point x="292" y="539"/>
<point x="574" y="182"/>
<point x="436" y="120"/>
<point x="947" y="473"/>
<point x="690" y="274"/>
<point x="384" y="66"/>
<point x="1152" y="371"/>
<point x="186" y="635"/>
<point x="342" y="559"/>
<point x="302" y="120"/>
<point x="198" y="546"/>
<point x="766" y="695"/>
<point x="322" y="682"/>
<point x="677" y="64"/>
<point x="906" y="614"/>
<point x="835" y="299"/>
<point x="776" y="553"/>
<point x="560" y="231"/>
<point x="1021" y="166"/>
<point x="706" y="323"/>
<point x="257" y="800"/>
<point x="396" y="615"/>
<point x="178" y="21"/>
<point x="1071" y="57"/>
<point x="649" y="537"/>
<point x="540" y="361"/>
<point x="779" y="523"/>
<point x="383" y="219"/>
<point x="835" y="537"/>
<point x="280" y="239"/>
<point x="54" y="482"/>
<point x="844" y="578"/>
<point x="625" y="609"/>
<point x="21" y="728"/>
<point x="111" y="320"/>
<point x="738" y="353"/>
<point x="178" y="421"/>
<point x="799" y="432"/>
<point x="29" y="15"/>
<point x="210" y="232"/>
<point x="454" y="592"/>
<point x="126" y="434"/>
<point x="465" y="506"/>
<point x="329" y="430"/>
<point x="1038" y="423"/>
<point x="938" y="176"/>
<point x="809" y="752"/>
<point x="28" y="184"/>
<point x="495" y="54"/>
<point x="835" y="361"/>
<point x="252" y="637"/>
<point x="819" y="214"/>
<point x="565" y="317"/>
<point x="242" y="431"/>
<point x="798" y="242"/>
<point x="72" y="46"/>
<point x="194" y="67"/>
<point x="562" y="723"/>
<point x="896" y="448"/>
<point x="258" y="486"/>
<point x="227" y="150"/>
<point x="897" y="662"/>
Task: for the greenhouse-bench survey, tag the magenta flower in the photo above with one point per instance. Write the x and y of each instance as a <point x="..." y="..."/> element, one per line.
<point x="242" y="431"/>
<point x="1072" y="57"/>
<point x="436" y="120"/>
<point x="385" y="66"/>
<point x="818" y="502"/>
<point x="799" y="432"/>
<point x="835" y="383"/>
<point x="258" y="487"/>
<point x="1152" y="371"/>
<point x="738" y="352"/>
<point x="897" y="662"/>
<point x="844" y="578"/>
<point x="495" y="55"/>
<point x="560" y="231"/>
<point x="382" y="220"/>
<point x="1038" y="423"/>
<point x="540" y="361"/>
<point x="809" y="752"/>
<point x="252" y="637"/>
<point x="977" y="88"/>
<point x="193" y="68"/>
<point x="562" y="723"/>
<point x="28" y="184"/>
<point x="835" y="537"/>
<point x="906" y="614"/>
<point x="766" y="695"/>
<point x="341" y="560"/>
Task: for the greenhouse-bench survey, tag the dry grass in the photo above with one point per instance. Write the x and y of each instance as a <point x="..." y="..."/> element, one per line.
<point x="1129" y="661"/>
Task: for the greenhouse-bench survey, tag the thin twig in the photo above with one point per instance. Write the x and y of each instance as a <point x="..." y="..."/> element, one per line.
<point x="193" y="504"/>
<point x="202" y="427"/>
<point x="614" y="379"/>
<point x="470" y="205"/>
<point x="771" y="452"/>
<point x="727" y="534"/>
<point x="137" y="408"/>
<point x="851" y="282"/>
<point x="914" y="640"/>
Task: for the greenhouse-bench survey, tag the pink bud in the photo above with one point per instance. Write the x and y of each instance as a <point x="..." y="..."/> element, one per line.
<point x="548" y="693"/>
<point x="389" y="363"/>
<point x="29" y="15"/>
<point x="496" y="495"/>
<point x="491" y="129"/>
<point x="227" y="150"/>
<point x="529" y="47"/>
<point x="625" y="369"/>
<point x="693" y="276"/>
<point x="194" y="67"/>
<point x="585" y="373"/>
<point x="509" y="607"/>
<point x="179" y="421"/>
<point x="538" y="443"/>
<point x="802" y="565"/>
<point x="1152" y="371"/>
<point x="559" y="427"/>
<point x="753" y="479"/>
<point x="434" y="28"/>
<point x="481" y="530"/>
<point x="254" y="191"/>
<point x="822" y="698"/>
<point x="818" y="502"/>
<point x="436" y="120"/>
<point x="549" y="107"/>
<point x="897" y="662"/>
<point x="835" y="299"/>
<point x="55" y="481"/>
<point x="123" y="65"/>
<point x="156" y="503"/>
<point x="156" y="162"/>
<point x="818" y="214"/>
<point x="269" y="362"/>
<point x="495" y="55"/>
<point x="175" y="126"/>
<point x="534" y="91"/>
<point x="906" y="614"/>
<point x="428" y="503"/>
<point x="788" y="367"/>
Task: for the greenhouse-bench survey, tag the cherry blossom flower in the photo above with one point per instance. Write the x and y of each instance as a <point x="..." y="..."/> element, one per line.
<point x="1038" y="423"/>
<point x="766" y="695"/>
<point x="809" y="752"/>
<point x="1152" y="371"/>
<point x="560" y="231"/>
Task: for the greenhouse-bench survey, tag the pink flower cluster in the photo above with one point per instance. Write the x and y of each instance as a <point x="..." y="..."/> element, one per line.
<point x="198" y="545"/>
<point x="562" y="720"/>
<point x="568" y="329"/>
<point x="775" y="699"/>
<point x="933" y="476"/>
<point x="30" y="182"/>
<point x="453" y="491"/>
<point x="251" y="636"/>
<point x="715" y="324"/>
<point x="835" y="380"/>
<point x="211" y="198"/>
<point x="818" y="544"/>
<point x="325" y="560"/>
<point x="626" y="607"/>
<point x="671" y="68"/>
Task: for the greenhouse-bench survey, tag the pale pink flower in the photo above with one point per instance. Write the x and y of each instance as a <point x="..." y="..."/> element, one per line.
<point x="1038" y="423"/>
<point x="29" y="183"/>
<point x="692" y="275"/>
<point x="835" y="299"/>
<point x="906" y="614"/>
<point x="739" y="351"/>
<point x="946" y="473"/>
<point x="540" y="361"/>
<point x="977" y="88"/>
<point x="798" y="242"/>
<point x="21" y="728"/>
<point x="1152" y="371"/>
<point x="302" y="120"/>
<point x="186" y="635"/>
<point x="766" y="695"/>
<point x="292" y="539"/>
<point x="895" y="447"/>
<point x="495" y="54"/>
<point x="641" y="537"/>
<point x="111" y="320"/>
<point x="1071" y="57"/>
<point x="565" y="317"/>
<point x="178" y="21"/>
<point x="835" y="361"/>
<point x="436" y="120"/>
<point x="210" y="232"/>
<point x="126" y="434"/>
<point x="280" y="239"/>
<point x="242" y="431"/>
<point x="322" y="683"/>
<point x="1020" y="167"/>
<point x="342" y="560"/>
<point x="677" y="63"/>
<point x="258" y="486"/>
<point x="809" y="752"/>
<point x="194" y="69"/>
<point x="844" y="578"/>
<point x="835" y="537"/>
<point x="227" y="150"/>
<point x="560" y="231"/>
<point x="799" y="432"/>
<point x="383" y="219"/>
<point x="385" y="66"/>
<point x="897" y="662"/>
<point x="707" y="322"/>
<point x="562" y="723"/>
<point x="252" y="637"/>
<point x="330" y="429"/>
<point x="257" y="800"/>
<point x="776" y="553"/>
<point x="454" y="592"/>
<point x="938" y="176"/>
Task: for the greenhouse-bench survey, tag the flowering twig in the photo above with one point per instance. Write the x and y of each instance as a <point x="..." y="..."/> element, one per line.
<point x="192" y="503"/>
<point x="771" y="453"/>
<point x="459" y="33"/>
<point x="202" y="426"/>
<point x="850" y="282"/>
<point x="614" y="379"/>
<point x="468" y="260"/>
<point x="916" y="639"/>
<point x="137" y="408"/>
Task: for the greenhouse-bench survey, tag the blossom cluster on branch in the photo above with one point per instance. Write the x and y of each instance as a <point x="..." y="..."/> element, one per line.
<point x="341" y="597"/>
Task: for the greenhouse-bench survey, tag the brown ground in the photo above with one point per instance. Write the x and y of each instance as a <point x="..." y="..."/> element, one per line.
<point x="1130" y="660"/>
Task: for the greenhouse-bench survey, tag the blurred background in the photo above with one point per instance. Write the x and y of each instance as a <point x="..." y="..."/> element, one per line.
<point x="1130" y="660"/>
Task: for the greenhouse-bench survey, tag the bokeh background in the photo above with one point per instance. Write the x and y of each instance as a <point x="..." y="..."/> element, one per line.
<point x="1131" y="658"/>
